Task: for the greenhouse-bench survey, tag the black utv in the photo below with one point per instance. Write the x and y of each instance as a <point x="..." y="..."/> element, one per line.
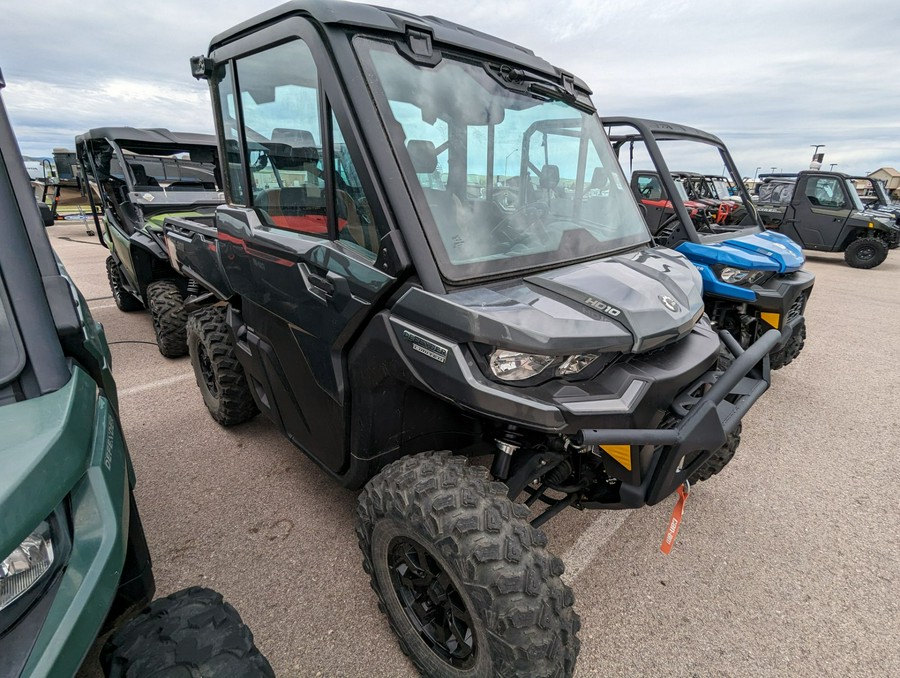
<point x="822" y="211"/>
<point x="139" y="177"/>
<point x="393" y="312"/>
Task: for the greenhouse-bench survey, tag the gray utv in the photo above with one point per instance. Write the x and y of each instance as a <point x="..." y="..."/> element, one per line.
<point x="429" y="253"/>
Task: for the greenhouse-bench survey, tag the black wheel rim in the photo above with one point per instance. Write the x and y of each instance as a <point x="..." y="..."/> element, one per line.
<point x="866" y="252"/>
<point x="432" y="603"/>
<point x="206" y="369"/>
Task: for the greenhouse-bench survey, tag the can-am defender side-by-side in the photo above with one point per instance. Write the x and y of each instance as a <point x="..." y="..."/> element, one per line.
<point x="752" y="278"/>
<point x="74" y="563"/>
<point x="821" y="211"/>
<point x="394" y="313"/>
<point x="138" y="177"/>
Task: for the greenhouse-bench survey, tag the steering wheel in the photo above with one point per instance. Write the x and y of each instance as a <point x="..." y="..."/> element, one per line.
<point x="510" y="226"/>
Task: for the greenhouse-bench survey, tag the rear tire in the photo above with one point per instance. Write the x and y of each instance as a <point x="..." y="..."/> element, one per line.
<point x="124" y="300"/>
<point x="790" y="351"/>
<point x="219" y="374"/>
<point x="190" y="633"/>
<point x="720" y="459"/>
<point x="466" y="582"/>
<point x="166" y="307"/>
<point x="866" y="252"/>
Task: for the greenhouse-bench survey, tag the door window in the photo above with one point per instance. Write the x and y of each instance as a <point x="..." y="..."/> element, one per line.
<point x="355" y="222"/>
<point x="228" y="114"/>
<point x="279" y="99"/>
<point x="825" y="192"/>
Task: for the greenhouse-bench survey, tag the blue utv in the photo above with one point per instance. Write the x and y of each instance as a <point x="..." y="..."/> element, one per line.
<point x="753" y="279"/>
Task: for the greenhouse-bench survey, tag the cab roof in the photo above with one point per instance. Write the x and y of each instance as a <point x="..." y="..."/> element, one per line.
<point x="135" y="138"/>
<point x="661" y="131"/>
<point x="372" y="18"/>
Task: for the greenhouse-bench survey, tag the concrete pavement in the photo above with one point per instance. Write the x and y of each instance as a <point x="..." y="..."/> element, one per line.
<point x="787" y="564"/>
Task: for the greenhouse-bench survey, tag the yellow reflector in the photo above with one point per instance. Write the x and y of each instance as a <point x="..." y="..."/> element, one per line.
<point x="771" y="318"/>
<point x="871" y="225"/>
<point x="621" y="453"/>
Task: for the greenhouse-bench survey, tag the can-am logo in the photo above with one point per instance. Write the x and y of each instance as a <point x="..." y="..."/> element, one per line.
<point x="669" y="303"/>
<point x="603" y="307"/>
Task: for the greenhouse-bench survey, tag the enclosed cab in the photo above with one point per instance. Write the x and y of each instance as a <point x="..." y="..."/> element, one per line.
<point x="821" y="211"/>
<point x="136" y="178"/>
<point x="429" y="253"/>
<point x="753" y="280"/>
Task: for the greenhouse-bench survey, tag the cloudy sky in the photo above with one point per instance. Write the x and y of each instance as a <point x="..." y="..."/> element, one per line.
<point x="770" y="77"/>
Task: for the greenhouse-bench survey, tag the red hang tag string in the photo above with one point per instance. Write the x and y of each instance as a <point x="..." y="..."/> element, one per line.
<point x="675" y="520"/>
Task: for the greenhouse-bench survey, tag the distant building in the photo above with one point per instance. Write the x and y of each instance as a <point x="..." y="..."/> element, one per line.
<point x="890" y="178"/>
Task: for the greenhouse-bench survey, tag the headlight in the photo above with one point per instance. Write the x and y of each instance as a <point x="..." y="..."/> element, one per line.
<point x="740" y="276"/>
<point x="575" y="363"/>
<point x="28" y="562"/>
<point x="516" y="366"/>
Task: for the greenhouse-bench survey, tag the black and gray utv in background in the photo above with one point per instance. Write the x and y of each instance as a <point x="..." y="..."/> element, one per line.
<point x="822" y="211"/>
<point x="876" y="197"/>
<point x="396" y="303"/>
<point x="139" y="177"/>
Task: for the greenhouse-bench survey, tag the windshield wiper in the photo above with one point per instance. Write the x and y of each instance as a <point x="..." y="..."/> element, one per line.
<point x="520" y="80"/>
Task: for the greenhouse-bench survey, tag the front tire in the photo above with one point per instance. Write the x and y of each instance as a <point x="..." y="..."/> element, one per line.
<point x="466" y="582"/>
<point x="219" y="374"/>
<point x="720" y="459"/>
<point x="866" y="252"/>
<point x="166" y="307"/>
<point x="125" y="302"/>
<point x="791" y="350"/>
<point x="190" y="633"/>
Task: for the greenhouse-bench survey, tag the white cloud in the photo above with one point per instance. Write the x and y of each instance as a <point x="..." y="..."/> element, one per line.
<point x="770" y="77"/>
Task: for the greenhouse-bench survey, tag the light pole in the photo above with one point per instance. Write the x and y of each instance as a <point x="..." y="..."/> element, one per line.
<point x="831" y="166"/>
<point x="506" y="163"/>
<point x="755" y="172"/>
<point x="773" y="169"/>
<point x="816" y="148"/>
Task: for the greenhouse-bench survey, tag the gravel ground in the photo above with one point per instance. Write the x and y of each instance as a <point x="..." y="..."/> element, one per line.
<point x="787" y="563"/>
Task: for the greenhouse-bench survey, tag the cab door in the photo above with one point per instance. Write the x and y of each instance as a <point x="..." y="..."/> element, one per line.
<point x="818" y="212"/>
<point x="299" y="242"/>
<point x="649" y="192"/>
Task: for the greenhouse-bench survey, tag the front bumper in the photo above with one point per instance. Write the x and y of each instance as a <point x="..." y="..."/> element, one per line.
<point x="781" y="303"/>
<point x="702" y="431"/>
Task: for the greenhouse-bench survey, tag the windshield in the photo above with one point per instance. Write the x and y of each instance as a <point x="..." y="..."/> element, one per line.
<point x="854" y="196"/>
<point x="682" y="191"/>
<point x="878" y="188"/>
<point x="720" y="188"/>
<point x="157" y="176"/>
<point x="510" y="180"/>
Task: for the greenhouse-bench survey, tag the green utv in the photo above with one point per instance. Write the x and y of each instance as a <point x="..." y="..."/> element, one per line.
<point x="139" y="177"/>
<point x="74" y="562"/>
<point x="397" y="298"/>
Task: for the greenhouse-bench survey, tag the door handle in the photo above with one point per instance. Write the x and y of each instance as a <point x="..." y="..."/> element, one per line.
<point x="315" y="284"/>
<point x="321" y="284"/>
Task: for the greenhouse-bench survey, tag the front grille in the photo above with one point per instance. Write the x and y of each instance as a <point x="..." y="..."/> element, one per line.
<point x="796" y="309"/>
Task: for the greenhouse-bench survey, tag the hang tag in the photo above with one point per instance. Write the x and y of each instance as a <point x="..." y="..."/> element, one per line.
<point x="675" y="520"/>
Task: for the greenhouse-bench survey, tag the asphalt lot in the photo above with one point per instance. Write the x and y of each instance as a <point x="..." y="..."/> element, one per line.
<point x="787" y="564"/>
